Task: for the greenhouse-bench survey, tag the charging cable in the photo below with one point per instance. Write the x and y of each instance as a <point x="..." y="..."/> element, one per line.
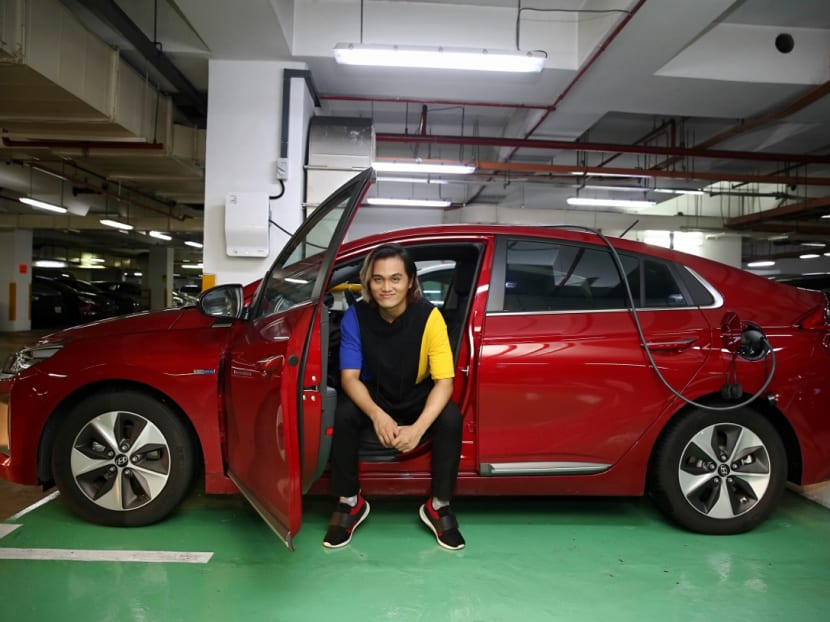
<point x="643" y="342"/>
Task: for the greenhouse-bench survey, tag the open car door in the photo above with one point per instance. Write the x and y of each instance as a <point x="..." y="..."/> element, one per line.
<point x="273" y="372"/>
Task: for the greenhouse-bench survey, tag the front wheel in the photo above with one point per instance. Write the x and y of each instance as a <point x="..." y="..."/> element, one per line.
<point x="718" y="472"/>
<point x="123" y="458"/>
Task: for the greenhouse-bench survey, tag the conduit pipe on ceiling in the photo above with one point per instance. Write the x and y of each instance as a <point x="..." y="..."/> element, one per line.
<point x="83" y="144"/>
<point x="794" y="209"/>
<point x="746" y="125"/>
<point x="524" y="143"/>
<point x="103" y="191"/>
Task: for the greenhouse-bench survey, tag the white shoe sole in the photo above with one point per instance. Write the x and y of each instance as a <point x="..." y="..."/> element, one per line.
<point x="425" y="520"/>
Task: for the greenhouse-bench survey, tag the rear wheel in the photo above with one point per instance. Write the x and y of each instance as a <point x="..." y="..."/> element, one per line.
<point x="123" y="458"/>
<point x="719" y="472"/>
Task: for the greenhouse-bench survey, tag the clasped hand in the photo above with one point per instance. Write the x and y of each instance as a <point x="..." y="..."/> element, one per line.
<point x="402" y="437"/>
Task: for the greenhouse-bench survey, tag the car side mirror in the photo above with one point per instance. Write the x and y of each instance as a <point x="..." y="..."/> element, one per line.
<point x="222" y="302"/>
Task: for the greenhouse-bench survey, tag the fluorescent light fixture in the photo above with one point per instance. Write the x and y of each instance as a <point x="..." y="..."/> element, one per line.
<point x="413" y="180"/>
<point x="49" y="263"/>
<point x="49" y="207"/>
<point x="408" y="202"/>
<point x="138" y="274"/>
<point x="426" y="169"/>
<point x="609" y="202"/>
<point x="825" y="216"/>
<point x="115" y="224"/>
<point x="192" y="266"/>
<point x="677" y="191"/>
<point x="809" y="256"/>
<point x="760" y="264"/>
<point x="426" y="57"/>
<point x="160" y="236"/>
<point x="814" y="244"/>
<point x="194" y="244"/>
<point x="632" y="175"/>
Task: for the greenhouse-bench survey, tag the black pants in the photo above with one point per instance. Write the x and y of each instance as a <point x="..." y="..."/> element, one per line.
<point x="349" y="421"/>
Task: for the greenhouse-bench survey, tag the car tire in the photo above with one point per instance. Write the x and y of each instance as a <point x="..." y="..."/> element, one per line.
<point x="123" y="458"/>
<point x="718" y="472"/>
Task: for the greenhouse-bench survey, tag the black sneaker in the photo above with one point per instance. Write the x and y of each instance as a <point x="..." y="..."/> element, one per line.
<point x="344" y="521"/>
<point x="443" y="524"/>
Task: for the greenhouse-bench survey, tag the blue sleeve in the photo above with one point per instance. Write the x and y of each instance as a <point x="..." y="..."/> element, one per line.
<point x="351" y="351"/>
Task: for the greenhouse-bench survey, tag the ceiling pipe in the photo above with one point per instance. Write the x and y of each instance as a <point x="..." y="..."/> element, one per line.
<point x="794" y="209"/>
<point x="564" y="145"/>
<point x="782" y="226"/>
<point x="594" y="57"/>
<point x="747" y="125"/>
<point x="83" y="144"/>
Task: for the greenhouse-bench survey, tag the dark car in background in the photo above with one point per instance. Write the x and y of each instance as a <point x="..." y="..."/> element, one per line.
<point x="129" y="293"/>
<point x="55" y="304"/>
<point x="820" y="282"/>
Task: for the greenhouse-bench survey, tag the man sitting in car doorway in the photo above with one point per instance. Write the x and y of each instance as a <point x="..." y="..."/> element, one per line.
<point x="396" y="375"/>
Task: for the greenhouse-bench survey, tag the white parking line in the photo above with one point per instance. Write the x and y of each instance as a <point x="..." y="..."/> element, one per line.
<point x="7" y="529"/>
<point x="34" y="506"/>
<point x="86" y="555"/>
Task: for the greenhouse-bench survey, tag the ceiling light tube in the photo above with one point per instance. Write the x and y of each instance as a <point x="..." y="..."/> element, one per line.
<point x="194" y="244"/>
<point x="192" y="266"/>
<point x="49" y="263"/>
<point x="425" y="57"/>
<point x="49" y="207"/>
<point x="678" y="191"/>
<point x="593" y="174"/>
<point x="427" y="169"/>
<point x="413" y="180"/>
<point x="760" y="264"/>
<point x="160" y="236"/>
<point x="809" y="256"/>
<point x="115" y="224"/>
<point x="408" y="202"/>
<point x="609" y="202"/>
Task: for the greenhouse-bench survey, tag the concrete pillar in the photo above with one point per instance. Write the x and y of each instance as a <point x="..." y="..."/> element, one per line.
<point x="15" y="280"/>
<point x="160" y="277"/>
<point x="242" y="152"/>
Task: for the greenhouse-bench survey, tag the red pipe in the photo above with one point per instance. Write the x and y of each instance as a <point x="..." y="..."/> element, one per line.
<point x="597" y="53"/>
<point x="523" y="143"/>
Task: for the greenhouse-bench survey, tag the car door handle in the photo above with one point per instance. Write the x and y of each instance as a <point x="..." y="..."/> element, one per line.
<point x="670" y="346"/>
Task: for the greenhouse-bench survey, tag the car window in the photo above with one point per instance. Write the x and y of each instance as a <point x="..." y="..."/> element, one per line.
<point x="551" y="276"/>
<point x="435" y="281"/>
<point x="292" y="283"/>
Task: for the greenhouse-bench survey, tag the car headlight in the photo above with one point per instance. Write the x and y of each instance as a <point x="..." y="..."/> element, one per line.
<point x="28" y="357"/>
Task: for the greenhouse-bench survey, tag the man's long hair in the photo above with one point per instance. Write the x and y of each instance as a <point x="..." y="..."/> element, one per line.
<point x="385" y="251"/>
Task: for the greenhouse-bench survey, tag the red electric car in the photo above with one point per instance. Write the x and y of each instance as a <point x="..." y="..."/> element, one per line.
<point x="584" y="365"/>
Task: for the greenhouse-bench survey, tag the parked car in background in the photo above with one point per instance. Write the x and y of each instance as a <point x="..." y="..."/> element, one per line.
<point x="819" y="282"/>
<point x="584" y="366"/>
<point x="137" y="298"/>
<point x="55" y="304"/>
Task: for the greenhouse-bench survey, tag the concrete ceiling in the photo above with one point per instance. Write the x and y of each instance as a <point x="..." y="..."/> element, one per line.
<point x="671" y="93"/>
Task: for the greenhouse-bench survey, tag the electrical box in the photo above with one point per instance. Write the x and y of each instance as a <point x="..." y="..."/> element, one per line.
<point x="246" y="224"/>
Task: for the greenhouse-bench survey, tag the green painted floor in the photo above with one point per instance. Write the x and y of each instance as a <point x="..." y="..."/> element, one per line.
<point x="526" y="560"/>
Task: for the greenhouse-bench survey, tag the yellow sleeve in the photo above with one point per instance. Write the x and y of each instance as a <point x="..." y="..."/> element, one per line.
<point x="436" y="355"/>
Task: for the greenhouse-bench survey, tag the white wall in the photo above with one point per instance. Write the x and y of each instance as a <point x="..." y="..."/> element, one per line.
<point x="243" y="141"/>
